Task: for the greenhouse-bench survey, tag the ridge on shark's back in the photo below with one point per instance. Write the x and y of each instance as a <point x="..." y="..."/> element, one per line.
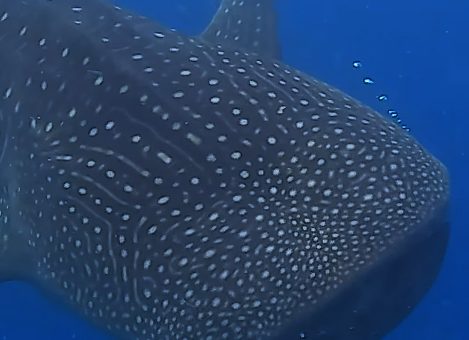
<point x="172" y="187"/>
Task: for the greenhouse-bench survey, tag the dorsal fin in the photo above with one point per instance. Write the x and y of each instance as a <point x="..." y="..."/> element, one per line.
<point x="247" y="24"/>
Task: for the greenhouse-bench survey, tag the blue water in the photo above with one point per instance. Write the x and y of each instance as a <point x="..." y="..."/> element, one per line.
<point x="417" y="53"/>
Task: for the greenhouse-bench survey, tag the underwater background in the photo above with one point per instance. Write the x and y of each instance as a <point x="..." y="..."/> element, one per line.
<point x="415" y="53"/>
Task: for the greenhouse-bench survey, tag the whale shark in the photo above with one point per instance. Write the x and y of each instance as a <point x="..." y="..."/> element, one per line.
<point x="166" y="186"/>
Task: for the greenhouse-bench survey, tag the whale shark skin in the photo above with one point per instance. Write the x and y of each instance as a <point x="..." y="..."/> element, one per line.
<point x="173" y="187"/>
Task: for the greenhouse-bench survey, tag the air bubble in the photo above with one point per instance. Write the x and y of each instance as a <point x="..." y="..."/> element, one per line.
<point x="381" y="97"/>
<point x="393" y="113"/>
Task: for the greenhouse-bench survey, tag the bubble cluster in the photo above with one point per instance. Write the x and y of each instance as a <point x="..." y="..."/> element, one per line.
<point x="367" y="80"/>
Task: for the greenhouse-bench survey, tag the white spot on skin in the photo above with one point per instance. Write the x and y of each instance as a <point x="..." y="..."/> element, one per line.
<point x="137" y="56"/>
<point x="194" y="139"/>
<point x="99" y="81"/>
<point x="215" y="100"/>
<point x="272" y="140"/>
<point x="178" y="94"/>
<point x="164" y="157"/>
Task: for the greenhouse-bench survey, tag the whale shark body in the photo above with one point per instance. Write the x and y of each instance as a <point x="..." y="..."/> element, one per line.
<point x="175" y="187"/>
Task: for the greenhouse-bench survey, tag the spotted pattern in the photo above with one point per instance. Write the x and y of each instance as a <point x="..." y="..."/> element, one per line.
<point x="246" y="24"/>
<point x="169" y="188"/>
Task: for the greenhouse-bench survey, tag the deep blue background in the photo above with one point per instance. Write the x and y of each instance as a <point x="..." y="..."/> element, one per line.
<point x="417" y="52"/>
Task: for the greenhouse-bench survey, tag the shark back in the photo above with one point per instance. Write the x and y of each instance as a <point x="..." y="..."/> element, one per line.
<point x="168" y="186"/>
